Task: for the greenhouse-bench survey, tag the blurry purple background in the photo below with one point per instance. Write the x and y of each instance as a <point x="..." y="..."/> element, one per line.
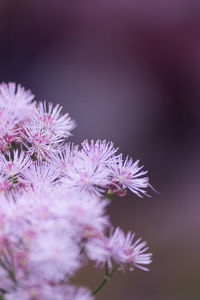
<point x="127" y="71"/>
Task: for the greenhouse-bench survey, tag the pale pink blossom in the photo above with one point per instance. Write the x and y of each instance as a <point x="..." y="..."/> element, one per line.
<point x="53" y="254"/>
<point x="65" y="158"/>
<point x="39" y="290"/>
<point x="40" y="175"/>
<point x="8" y="129"/>
<point x="128" y="174"/>
<point x="53" y="202"/>
<point x="5" y="184"/>
<point x="100" y="152"/>
<point x="87" y="214"/>
<point x="16" y="100"/>
<point x="15" y="108"/>
<point x="86" y="177"/>
<point x="39" y="141"/>
<point x="79" y="294"/>
<point x="52" y="118"/>
<point x="13" y="163"/>
<point x="120" y="248"/>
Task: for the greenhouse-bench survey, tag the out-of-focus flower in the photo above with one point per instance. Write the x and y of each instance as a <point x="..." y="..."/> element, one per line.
<point x="53" y="254"/>
<point x="120" y="248"/>
<point x="87" y="214"/>
<point x="16" y="100"/>
<point x="5" y="183"/>
<point x="36" y="290"/>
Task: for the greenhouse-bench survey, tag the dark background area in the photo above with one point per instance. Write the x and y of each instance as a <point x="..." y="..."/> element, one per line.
<point x="127" y="71"/>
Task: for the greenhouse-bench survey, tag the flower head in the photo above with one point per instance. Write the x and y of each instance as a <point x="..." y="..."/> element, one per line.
<point x="51" y="118"/>
<point x="100" y="152"/>
<point x="39" y="140"/>
<point x="85" y="176"/>
<point x="13" y="163"/>
<point x="16" y="100"/>
<point x="127" y="174"/>
<point x="120" y="248"/>
<point x="40" y="176"/>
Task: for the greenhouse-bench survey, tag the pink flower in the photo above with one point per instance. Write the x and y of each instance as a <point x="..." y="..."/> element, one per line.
<point x="129" y="175"/>
<point x="51" y="118"/>
<point x="40" y="176"/>
<point x="64" y="159"/>
<point x="87" y="214"/>
<point x="34" y="289"/>
<point x="8" y="128"/>
<point x="86" y="177"/>
<point x="52" y="202"/>
<point x="39" y="141"/>
<point x="53" y="254"/>
<point x="121" y="249"/>
<point x="16" y="100"/>
<point x="100" y="152"/>
<point x="5" y="184"/>
<point x="14" y="163"/>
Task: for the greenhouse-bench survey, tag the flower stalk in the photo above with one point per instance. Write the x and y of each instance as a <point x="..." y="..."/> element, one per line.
<point x="106" y="278"/>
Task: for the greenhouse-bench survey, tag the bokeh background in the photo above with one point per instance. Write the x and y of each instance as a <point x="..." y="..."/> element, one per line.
<point x="127" y="71"/>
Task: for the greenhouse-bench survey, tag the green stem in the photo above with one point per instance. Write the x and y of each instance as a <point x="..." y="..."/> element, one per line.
<point x="12" y="276"/>
<point x="109" y="194"/>
<point x="12" y="183"/>
<point x="106" y="278"/>
<point x="107" y="269"/>
<point x="11" y="272"/>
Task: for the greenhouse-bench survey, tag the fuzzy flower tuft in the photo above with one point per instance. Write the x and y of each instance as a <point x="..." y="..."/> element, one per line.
<point x="53" y="202"/>
<point x="120" y="248"/>
<point x="128" y="174"/>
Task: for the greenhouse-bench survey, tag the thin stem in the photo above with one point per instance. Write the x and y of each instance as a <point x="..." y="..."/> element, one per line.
<point x="67" y="274"/>
<point x="12" y="276"/>
<point x="12" y="182"/>
<point x="106" y="278"/>
<point x="11" y="272"/>
<point x="107" y="269"/>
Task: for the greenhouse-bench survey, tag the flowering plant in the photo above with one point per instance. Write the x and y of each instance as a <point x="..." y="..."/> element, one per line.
<point x="53" y="202"/>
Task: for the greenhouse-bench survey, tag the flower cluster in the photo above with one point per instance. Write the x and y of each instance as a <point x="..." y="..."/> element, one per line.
<point x="53" y="202"/>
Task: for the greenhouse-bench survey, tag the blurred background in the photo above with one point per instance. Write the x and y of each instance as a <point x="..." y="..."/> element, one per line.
<point x="127" y="71"/>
